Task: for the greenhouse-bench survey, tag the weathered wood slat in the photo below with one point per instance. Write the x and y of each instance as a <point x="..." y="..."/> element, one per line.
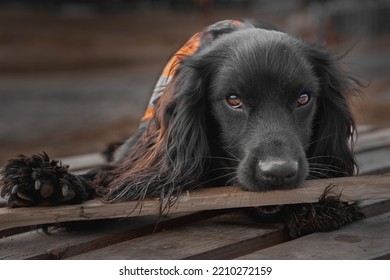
<point x="371" y="208"/>
<point x="62" y="243"/>
<point x="374" y="161"/>
<point x="234" y="250"/>
<point x="351" y="189"/>
<point x="84" y="162"/>
<point x="366" y="239"/>
<point x="37" y="244"/>
<point x="373" y="140"/>
<point x="365" y="128"/>
<point x="197" y="239"/>
<point x="3" y="202"/>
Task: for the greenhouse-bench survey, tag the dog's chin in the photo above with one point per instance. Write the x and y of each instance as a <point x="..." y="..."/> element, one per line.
<point x="270" y="213"/>
<point x="273" y="213"/>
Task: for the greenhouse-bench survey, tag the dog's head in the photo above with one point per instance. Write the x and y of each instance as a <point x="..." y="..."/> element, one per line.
<point x="256" y="108"/>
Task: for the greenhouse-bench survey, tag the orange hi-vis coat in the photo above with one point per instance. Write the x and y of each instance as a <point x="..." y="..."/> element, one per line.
<point x="189" y="48"/>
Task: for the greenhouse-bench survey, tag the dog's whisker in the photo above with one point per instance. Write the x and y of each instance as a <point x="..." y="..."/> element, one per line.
<point x="330" y="159"/>
<point x="230" y="153"/>
<point x="318" y="140"/>
<point x="325" y="169"/>
<point x="211" y="180"/>
<point x="319" y="173"/>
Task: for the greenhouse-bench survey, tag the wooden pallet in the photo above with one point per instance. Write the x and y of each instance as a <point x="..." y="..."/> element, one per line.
<point x="226" y="232"/>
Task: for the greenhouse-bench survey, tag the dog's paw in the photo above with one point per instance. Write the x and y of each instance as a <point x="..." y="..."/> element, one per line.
<point x="39" y="180"/>
<point x="330" y="213"/>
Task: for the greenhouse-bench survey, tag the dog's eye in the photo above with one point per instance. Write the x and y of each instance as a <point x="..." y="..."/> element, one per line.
<point x="303" y="98"/>
<point x="234" y="101"/>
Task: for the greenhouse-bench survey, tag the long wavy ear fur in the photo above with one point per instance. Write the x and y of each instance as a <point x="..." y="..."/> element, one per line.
<point x="330" y="153"/>
<point x="173" y="151"/>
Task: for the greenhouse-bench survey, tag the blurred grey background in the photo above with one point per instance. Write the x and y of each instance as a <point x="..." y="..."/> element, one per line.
<point x="76" y="75"/>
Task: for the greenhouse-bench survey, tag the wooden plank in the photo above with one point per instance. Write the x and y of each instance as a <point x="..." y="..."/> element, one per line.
<point x="366" y="239"/>
<point x="213" y="235"/>
<point x="351" y="189"/>
<point x="3" y="202"/>
<point x="375" y="207"/>
<point x="38" y="245"/>
<point x="64" y="244"/>
<point x="373" y="140"/>
<point x="234" y="250"/>
<point x="365" y="128"/>
<point x="83" y="162"/>
<point x="374" y="162"/>
<point x="90" y="236"/>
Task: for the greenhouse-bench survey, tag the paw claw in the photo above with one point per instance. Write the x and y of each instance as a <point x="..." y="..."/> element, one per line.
<point x="65" y="190"/>
<point x="15" y="189"/>
<point x="18" y="202"/>
<point x="70" y="195"/>
<point x="37" y="184"/>
<point x="35" y="174"/>
<point x="24" y="197"/>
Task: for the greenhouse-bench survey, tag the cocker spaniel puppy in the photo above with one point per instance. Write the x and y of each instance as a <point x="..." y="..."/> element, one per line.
<point x="238" y="104"/>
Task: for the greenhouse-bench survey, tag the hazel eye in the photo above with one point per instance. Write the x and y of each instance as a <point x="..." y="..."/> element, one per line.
<point x="304" y="98"/>
<point x="234" y="101"/>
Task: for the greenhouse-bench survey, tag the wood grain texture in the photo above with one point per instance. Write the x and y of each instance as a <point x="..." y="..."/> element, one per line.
<point x="366" y="239"/>
<point x="222" y="237"/>
<point x="78" y="239"/>
<point x="374" y="161"/>
<point x="349" y="188"/>
<point x="373" y="140"/>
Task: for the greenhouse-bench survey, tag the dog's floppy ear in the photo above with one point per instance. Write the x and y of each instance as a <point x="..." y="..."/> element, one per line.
<point x="182" y="114"/>
<point x="330" y="153"/>
<point x="173" y="151"/>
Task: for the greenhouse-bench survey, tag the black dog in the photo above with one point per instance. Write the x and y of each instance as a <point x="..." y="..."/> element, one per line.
<point x="245" y="105"/>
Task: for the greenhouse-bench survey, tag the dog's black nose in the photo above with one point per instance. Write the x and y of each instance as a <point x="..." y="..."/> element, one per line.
<point x="278" y="171"/>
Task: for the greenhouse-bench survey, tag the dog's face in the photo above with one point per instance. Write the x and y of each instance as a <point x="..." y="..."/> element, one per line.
<point x="262" y="97"/>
